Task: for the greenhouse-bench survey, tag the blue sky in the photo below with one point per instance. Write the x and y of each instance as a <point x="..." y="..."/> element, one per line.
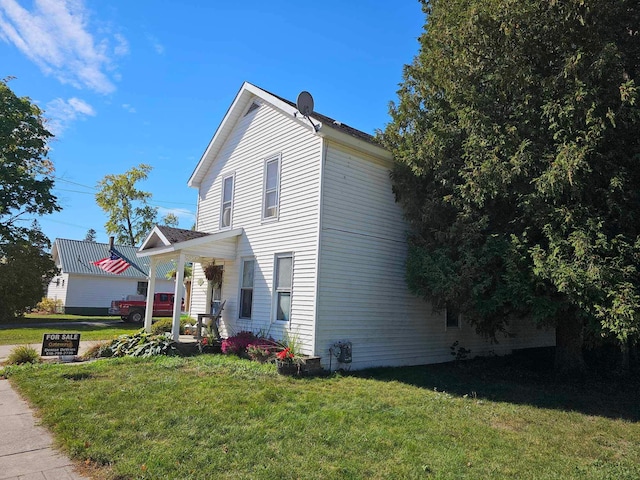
<point x="148" y="81"/>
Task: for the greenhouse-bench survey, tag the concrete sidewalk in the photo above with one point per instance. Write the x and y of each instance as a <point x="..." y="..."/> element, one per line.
<point x="26" y="451"/>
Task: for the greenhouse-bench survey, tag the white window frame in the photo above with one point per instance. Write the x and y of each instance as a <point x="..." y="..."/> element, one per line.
<point x="243" y="288"/>
<point x="446" y="320"/>
<point x="273" y="158"/>
<point x="277" y="291"/>
<point x="232" y="176"/>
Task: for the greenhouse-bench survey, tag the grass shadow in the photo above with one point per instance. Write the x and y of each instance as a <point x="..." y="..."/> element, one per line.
<point x="522" y="379"/>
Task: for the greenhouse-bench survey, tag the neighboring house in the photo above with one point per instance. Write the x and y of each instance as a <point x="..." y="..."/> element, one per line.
<point x="301" y="215"/>
<point x="85" y="289"/>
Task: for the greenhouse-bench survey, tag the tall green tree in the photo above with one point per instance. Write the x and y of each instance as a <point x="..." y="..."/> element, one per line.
<point x="90" y="236"/>
<point x="25" y="190"/>
<point x="170" y="220"/>
<point x="130" y="217"/>
<point x="517" y="147"/>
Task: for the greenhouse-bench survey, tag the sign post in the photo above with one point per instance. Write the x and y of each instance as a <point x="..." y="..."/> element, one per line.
<point x="63" y="345"/>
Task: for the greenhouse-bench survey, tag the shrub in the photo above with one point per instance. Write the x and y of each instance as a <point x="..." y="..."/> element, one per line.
<point x="23" y="354"/>
<point x="143" y="344"/>
<point x="165" y="324"/>
<point x="238" y="343"/>
<point x="49" y="305"/>
<point x="262" y="350"/>
<point x="98" y="350"/>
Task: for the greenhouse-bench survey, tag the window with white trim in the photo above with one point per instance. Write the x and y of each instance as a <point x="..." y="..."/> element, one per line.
<point x="271" y="193"/>
<point x="142" y="288"/>
<point x="282" y="282"/>
<point x="226" y="206"/>
<point x="246" y="288"/>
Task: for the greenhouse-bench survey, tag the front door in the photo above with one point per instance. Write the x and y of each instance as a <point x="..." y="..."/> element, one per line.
<point x="216" y="297"/>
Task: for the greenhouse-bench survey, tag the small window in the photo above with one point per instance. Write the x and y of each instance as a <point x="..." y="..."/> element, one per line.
<point x="282" y="286"/>
<point x="142" y="288"/>
<point x="246" y="288"/>
<point x="271" y="197"/>
<point x="226" y="207"/>
<point x="453" y="317"/>
<point x="164" y="297"/>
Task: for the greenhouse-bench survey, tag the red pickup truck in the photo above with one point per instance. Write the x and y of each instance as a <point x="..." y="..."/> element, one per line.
<point x="133" y="307"/>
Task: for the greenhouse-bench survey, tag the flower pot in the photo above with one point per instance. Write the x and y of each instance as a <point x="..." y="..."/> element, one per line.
<point x="286" y="368"/>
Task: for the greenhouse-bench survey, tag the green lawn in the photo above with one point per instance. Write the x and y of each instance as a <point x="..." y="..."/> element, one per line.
<point x="25" y="335"/>
<point x="215" y="416"/>
<point x="32" y="318"/>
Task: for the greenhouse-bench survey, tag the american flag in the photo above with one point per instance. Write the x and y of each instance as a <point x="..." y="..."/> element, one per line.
<point x="112" y="264"/>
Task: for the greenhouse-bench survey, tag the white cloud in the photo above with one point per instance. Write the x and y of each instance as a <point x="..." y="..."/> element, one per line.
<point x="54" y="34"/>
<point x="128" y="108"/>
<point x="60" y="113"/>
<point x="155" y="43"/>
<point x="181" y="213"/>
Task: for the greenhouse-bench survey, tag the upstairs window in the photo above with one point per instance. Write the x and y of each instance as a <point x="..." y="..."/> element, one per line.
<point x="271" y="196"/>
<point x="282" y="286"/>
<point x="226" y="207"/>
<point x="453" y="318"/>
<point x="246" y="288"/>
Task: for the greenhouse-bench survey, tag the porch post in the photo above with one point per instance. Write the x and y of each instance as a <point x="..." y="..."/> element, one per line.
<point x="151" y="288"/>
<point x="177" y="298"/>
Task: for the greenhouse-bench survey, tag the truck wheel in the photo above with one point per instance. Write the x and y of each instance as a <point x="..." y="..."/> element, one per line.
<point x="136" y="316"/>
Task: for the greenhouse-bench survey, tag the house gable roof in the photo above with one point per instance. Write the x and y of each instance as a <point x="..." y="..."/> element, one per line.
<point x="76" y="257"/>
<point x="319" y="124"/>
<point x="166" y="241"/>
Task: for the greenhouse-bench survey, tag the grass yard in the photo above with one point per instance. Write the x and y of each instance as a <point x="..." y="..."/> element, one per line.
<point x="32" y="318"/>
<point x="33" y="334"/>
<point x="215" y="416"/>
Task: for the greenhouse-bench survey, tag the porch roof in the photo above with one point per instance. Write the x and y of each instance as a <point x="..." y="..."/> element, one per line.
<point x="168" y="242"/>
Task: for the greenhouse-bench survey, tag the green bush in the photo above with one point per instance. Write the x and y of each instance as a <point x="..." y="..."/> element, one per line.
<point x="164" y="325"/>
<point x="143" y="344"/>
<point x="23" y="354"/>
<point x="49" y="305"/>
<point x="98" y="350"/>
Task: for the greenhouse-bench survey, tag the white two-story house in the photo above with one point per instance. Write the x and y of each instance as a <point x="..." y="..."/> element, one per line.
<point x="300" y="213"/>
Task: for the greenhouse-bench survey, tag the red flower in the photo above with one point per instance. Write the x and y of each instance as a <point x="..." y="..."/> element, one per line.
<point x="204" y="341"/>
<point x="285" y="354"/>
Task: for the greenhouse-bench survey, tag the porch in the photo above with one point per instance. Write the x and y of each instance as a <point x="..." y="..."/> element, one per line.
<point x="180" y="246"/>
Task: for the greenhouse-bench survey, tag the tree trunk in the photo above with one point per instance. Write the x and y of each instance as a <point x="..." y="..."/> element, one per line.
<point x="569" y="362"/>
<point x="625" y="362"/>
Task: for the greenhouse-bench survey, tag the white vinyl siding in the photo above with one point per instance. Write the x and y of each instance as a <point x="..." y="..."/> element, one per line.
<point x="254" y="139"/>
<point x="271" y="196"/>
<point x="99" y="291"/>
<point x="226" y="208"/>
<point x="363" y="297"/>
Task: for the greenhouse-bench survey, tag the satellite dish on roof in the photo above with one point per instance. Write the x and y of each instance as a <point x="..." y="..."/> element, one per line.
<point x="305" y="103"/>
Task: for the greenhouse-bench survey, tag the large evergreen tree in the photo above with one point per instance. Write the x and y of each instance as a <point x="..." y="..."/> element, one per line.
<point x="517" y="146"/>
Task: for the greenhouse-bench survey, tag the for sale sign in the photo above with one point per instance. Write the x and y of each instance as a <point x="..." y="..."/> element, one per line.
<point x="60" y="344"/>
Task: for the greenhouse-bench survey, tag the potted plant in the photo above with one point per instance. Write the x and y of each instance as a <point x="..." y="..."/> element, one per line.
<point x="213" y="272"/>
<point x="289" y="363"/>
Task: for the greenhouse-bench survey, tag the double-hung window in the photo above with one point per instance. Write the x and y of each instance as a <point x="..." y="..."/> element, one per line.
<point x="246" y="288"/>
<point x="271" y="194"/>
<point x="226" y="207"/>
<point x="283" y="275"/>
<point x="453" y="318"/>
